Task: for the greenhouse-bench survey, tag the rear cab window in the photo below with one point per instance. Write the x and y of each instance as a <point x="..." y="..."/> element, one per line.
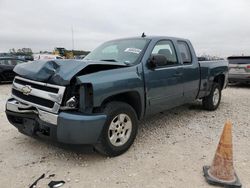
<point x="185" y="52"/>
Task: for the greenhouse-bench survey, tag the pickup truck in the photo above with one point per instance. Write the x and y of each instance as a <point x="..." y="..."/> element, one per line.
<point x="99" y="100"/>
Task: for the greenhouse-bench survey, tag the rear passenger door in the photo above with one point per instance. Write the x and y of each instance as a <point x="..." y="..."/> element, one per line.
<point x="164" y="88"/>
<point x="191" y="71"/>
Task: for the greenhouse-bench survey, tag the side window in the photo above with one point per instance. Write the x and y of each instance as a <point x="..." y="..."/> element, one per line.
<point x="166" y="49"/>
<point x="19" y="61"/>
<point x="4" y="62"/>
<point x="185" y="52"/>
<point x="12" y="62"/>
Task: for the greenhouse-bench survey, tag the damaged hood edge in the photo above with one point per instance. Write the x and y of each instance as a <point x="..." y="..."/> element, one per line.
<point x="60" y="72"/>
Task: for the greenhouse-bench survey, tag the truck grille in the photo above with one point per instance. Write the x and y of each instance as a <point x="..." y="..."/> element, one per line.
<point x="45" y="88"/>
<point x="33" y="99"/>
<point x="43" y="96"/>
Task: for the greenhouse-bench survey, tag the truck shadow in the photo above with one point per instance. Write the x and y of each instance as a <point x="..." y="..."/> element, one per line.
<point x="167" y="120"/>
<point x="74" y="154"/>
<point x="175" y="114"/>
<point x="5" y="83"/>
<point x="239" y="85"/>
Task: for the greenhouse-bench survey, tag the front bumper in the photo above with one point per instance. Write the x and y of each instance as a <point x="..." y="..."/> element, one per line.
<point x="65" y="127"/>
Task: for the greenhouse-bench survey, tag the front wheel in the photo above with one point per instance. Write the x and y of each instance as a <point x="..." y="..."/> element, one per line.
<point x="119" y="130"/>
<point x="212" y="101"/>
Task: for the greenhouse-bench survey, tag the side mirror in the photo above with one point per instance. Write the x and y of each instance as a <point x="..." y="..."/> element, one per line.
<point x="157" y="60"/>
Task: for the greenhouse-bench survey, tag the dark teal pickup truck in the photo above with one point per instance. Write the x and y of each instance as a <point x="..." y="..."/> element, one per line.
<point x="100" y="99"/>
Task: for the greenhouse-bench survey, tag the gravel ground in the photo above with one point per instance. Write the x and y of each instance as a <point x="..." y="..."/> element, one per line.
<point x="169" y="151"/>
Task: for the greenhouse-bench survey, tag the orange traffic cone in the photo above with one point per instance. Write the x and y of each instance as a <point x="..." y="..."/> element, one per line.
<point x="221" y="172"/>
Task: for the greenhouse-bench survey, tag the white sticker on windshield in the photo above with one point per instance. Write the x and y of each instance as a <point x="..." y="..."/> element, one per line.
<point x="133" y="50"/>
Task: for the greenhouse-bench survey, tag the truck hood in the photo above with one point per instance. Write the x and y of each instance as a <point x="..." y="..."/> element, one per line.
<point x="60" y="72"/>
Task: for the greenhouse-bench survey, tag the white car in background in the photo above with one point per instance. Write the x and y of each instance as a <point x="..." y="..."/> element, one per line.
<point x="46" y="56"/>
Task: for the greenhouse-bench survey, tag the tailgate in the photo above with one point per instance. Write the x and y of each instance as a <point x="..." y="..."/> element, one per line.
<point x="239" y="65"/>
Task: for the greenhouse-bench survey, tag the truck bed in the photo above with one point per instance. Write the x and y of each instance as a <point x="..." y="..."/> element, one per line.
<point x="209" y="70"/>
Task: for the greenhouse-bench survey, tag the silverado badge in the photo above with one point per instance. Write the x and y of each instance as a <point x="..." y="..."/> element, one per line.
<point x="26" y="90"/>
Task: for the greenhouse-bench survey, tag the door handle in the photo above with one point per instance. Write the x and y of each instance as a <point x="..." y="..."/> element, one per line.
<point x="178" y="74"/>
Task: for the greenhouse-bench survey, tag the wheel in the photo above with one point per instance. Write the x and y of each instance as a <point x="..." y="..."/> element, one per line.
<point x="120" y="129"/>
<point x="212" y="101"/>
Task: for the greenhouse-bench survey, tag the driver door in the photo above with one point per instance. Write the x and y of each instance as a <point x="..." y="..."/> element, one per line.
<point x="164" y="88"/>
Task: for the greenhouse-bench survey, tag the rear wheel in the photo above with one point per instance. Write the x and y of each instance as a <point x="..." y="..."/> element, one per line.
<point x="120" y="129"/>
<point x="212" y="101"/>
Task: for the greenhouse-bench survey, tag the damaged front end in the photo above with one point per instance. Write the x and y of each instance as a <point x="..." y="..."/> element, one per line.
<point x="48" y="102"/>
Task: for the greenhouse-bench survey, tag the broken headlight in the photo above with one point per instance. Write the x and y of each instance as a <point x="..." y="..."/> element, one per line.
<point x="72" y="103"/>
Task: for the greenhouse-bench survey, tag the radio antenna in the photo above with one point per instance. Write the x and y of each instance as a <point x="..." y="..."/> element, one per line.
<point x="143" y="35"/>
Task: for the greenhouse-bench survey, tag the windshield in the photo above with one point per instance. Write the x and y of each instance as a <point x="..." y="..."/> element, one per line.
<point x="125" y="50"/>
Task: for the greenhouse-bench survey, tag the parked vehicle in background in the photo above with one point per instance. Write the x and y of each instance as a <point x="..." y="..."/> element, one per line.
<point x="7" y="65"/>
<point x="46" y="56"/>
<point x="80" y="56"/>
<point x="239" y="69"/>
<point x="100" y="99"/>
<point x="209" y="58"/>
<point x="26" y="57"/>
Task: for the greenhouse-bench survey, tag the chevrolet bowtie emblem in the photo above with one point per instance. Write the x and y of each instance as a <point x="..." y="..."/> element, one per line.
<point x="26" y="90"/>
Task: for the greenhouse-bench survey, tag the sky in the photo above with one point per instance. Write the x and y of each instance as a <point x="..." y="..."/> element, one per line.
<point x="215" y="27"/>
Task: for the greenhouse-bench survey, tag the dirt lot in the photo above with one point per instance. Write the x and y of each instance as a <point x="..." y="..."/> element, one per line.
<point x="169" y="151"/>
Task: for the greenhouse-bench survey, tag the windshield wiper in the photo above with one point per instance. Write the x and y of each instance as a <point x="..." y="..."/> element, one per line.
<point x="111" y="60"/>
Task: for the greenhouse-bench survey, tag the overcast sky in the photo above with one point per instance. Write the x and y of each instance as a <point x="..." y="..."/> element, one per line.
<point x="215" y="27"/>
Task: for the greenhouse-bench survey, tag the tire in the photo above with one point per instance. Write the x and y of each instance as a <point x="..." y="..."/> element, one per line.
<point x="212" y="101"/>
<point x="119" y="131"/>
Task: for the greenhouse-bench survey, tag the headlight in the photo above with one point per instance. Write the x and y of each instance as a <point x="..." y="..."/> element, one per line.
<point x="70" y="104"/>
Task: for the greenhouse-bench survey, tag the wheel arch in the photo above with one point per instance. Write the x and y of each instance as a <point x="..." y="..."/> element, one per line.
<point x="131" y="97"/>
<point x="220" y="79"/>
